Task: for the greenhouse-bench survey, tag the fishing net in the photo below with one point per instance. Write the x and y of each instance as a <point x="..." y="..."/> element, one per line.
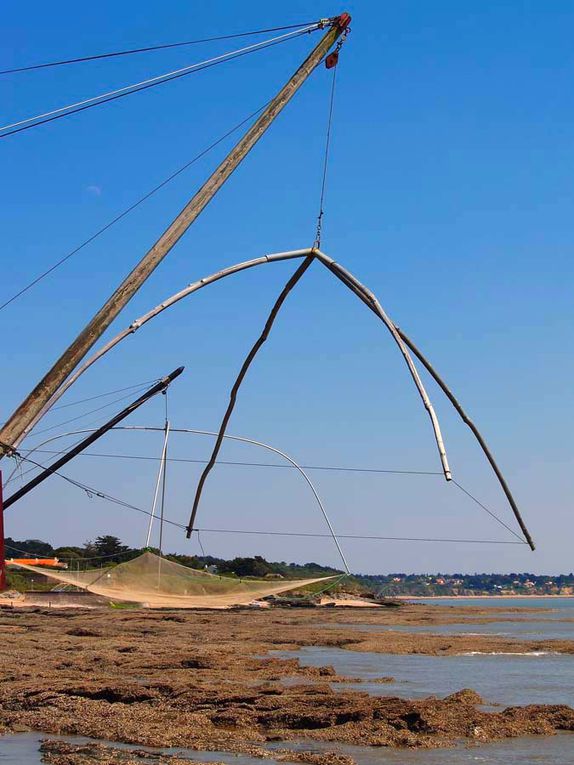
<point x="156" y="582"/>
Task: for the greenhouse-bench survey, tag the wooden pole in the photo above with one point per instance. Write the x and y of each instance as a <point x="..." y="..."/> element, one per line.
<point x="65" y="365"/>
<point x="135" y="325"/>
<point x="159" y="387"/>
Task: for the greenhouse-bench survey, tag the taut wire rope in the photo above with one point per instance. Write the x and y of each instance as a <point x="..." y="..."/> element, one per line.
<point x="104" y="395"/>
<point x="317" y="242"/>
<point x="127" y="90"/>
<point x="91" y="492"/>
<point x="91" y="411"/>
<point x="151" y="48"/>
<point x="292" y="465"/>
<point x="339" y="468"/>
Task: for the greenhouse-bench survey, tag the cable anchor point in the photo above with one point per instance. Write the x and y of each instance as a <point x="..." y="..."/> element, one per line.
<point x="333" y="58"/>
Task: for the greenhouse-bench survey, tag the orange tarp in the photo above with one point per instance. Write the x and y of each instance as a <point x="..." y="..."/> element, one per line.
<point x="48" y="562"/>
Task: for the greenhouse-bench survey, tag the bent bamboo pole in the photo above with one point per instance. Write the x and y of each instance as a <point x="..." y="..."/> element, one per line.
<point x="364" y="295"/>
<point x="160" y="473"/>
<point x="289" y="286"/>
<point x="344" y="276"/>
<point x="135" y="325"/>
<point x="371" y="301"/>
<point x="245" y="440"/>
<point x="481" y="442"/>
<point x="241" y="439"/>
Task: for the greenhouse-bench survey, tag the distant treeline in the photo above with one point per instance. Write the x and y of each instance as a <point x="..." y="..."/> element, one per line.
<point x="109" y="550"/>
<point x="469" y="584"/>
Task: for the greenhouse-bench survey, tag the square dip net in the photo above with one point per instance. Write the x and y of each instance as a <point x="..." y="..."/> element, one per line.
<point x="156" y="582"/>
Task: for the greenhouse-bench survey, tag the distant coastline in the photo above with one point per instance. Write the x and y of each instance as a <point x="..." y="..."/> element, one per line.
<point x="477" y="597"/>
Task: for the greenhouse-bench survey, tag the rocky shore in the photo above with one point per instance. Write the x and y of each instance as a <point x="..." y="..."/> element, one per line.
<point x="205" y="681"/>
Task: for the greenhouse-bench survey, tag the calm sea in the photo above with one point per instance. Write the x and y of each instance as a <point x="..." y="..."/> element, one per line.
<point x="557" y="604"/>
<point x="501" y="680"/>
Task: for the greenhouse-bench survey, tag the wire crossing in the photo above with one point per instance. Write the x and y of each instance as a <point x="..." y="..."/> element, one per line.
<point x="38" y="449"/>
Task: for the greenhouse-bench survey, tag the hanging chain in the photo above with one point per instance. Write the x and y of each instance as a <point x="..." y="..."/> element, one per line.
<point x="331" y="62"/>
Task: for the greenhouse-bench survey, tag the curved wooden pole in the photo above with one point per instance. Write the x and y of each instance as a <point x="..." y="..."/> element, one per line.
<point x="367" y="297"/>
<point x="344" y="276"/>
<point x="291" y="283"/>
<point x="362" y="293"/>
<point x="135" y="325"/>
<point x="466" y="419"/>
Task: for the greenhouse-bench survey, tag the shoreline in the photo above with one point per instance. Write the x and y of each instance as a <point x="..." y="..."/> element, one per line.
<point x="477" y="597"/>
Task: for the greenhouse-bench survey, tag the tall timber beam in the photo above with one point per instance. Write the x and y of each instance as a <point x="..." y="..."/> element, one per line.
<point x="68" y="361"/>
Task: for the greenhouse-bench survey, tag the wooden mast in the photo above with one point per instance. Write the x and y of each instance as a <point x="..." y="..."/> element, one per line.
<point x="64" y="366"/>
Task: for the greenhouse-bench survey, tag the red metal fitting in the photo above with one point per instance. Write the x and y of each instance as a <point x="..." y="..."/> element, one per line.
<point x="332" y="59"/>
<point x="343" y="20"/>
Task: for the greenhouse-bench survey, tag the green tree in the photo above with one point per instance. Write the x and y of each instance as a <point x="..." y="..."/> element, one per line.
<point x="256" y="566"/>
<point x="110" y="548"/>
<point x="69" y="553"/>
<point x="19" y="548"/>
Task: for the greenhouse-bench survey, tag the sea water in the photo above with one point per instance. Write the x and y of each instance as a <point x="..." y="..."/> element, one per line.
<point x="502" y="680"/>
<point x="503" y="601"/>
<point x="24" y="749"/>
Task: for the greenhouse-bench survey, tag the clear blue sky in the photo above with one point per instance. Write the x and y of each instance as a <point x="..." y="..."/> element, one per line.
<point x="450" y="195"/>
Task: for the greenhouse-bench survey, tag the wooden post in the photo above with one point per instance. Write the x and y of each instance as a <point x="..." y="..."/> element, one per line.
<point x="65" y="365"/>
<point x="160" y="386"/>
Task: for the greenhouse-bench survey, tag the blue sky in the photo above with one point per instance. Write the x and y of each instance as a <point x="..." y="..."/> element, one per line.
<point x="449" y="194"/>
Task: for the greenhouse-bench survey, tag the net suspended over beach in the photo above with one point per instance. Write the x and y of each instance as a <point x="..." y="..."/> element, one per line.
<point x="157" y="582"/>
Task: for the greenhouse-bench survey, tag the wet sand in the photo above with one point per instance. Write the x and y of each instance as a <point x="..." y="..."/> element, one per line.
<point x="204" y="680"/>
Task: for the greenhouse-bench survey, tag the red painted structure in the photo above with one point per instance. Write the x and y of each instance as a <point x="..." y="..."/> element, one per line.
<point x="2" y="545"/>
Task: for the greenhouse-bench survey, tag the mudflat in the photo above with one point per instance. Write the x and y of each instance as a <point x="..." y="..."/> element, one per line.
<point x="204" y="680"/>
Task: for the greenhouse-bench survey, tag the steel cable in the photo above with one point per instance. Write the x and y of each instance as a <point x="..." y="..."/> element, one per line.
<point x="132" y="207"/>
<point x="128" y="90"/>
<point x="151" y="48"/>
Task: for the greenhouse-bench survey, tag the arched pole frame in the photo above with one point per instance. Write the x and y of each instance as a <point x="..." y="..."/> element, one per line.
<point x="135" y="325"/>
<point x="194" y="287"/>
<point x="160" y="473"/>
<point x="270" y="448"/>
<point x="241" y="439"/>
<point x="369" y="299"/>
